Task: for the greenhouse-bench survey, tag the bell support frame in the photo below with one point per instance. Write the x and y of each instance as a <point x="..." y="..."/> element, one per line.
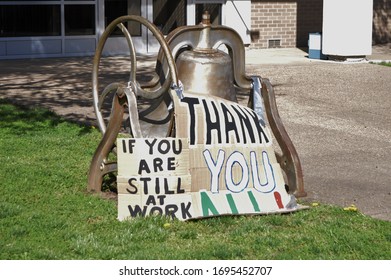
<point x="185" y="37"/>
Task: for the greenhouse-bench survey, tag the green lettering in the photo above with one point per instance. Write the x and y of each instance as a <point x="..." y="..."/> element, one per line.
<point x="232" y="204"/>
<point x="253" y="201"/>
<point x="207" y="205"/>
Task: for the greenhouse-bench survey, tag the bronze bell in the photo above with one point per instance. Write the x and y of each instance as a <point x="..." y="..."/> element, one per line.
<point x="204" y="70"/>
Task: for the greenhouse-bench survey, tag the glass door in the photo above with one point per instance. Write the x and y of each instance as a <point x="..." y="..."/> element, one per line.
<point x="166" y="15"/>
<point x="116" y="43"/>
<point x="195" y="9"/>
<point x="214" y="10"/>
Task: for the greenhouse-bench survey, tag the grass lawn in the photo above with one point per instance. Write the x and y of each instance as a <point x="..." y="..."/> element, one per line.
<point x="46" y="212"/>
<point x="384" y="63"/>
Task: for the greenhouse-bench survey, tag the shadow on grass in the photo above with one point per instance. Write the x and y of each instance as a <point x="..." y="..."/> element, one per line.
<point x="63" y="85"/>
<point x="21" y="119"/>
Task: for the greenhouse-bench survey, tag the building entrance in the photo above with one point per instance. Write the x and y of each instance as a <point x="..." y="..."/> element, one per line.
<point x="58" y="28"/>
<point x="165" y="14"/>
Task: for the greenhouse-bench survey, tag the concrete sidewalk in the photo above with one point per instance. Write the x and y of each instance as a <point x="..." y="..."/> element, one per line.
<point x="276" y="56"/>
<point x="337" y="114"/>
<point x="380" y="53"/>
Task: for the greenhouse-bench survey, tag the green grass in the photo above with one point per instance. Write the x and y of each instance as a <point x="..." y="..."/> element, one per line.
<point x="46" y="212"/>
<point x="384" y="63"/>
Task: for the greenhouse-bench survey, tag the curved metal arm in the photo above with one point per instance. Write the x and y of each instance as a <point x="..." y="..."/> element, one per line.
<point x="289" y="160"/>
<point x="132" y="49"/>
<point x="139" y="91"/>
<point x="99" y="166"/>
<point x="123" y="96"/>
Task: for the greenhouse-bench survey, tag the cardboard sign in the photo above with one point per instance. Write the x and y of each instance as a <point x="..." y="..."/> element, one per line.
<point x="221" y="163"/>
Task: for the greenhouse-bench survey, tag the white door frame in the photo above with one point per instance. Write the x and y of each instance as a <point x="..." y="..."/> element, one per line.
<point x="151" y="44"/>
<point x="191" y="11"/>
<point x="234" y="14"/>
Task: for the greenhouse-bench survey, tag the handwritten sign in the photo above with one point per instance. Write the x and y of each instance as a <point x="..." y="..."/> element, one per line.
<point x="221" y="163"/>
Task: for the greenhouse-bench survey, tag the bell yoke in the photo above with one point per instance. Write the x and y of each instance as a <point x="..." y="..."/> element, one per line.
<point x="195" y="64"/>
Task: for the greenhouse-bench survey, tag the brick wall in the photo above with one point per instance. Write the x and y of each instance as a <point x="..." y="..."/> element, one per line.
<point x="381" y="21"/>
<point x="290" y="21"/>
<point x="272" y="20"/>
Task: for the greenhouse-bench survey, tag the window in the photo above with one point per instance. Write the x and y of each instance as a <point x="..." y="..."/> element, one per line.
<point x="30" y="20"/>
<point x="79" y="19"/>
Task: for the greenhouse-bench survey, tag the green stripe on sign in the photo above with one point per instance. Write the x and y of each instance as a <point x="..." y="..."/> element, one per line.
<point x="207" y="205"/>
<point x="232" y="204"/>
<point x="253" y="201"/>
